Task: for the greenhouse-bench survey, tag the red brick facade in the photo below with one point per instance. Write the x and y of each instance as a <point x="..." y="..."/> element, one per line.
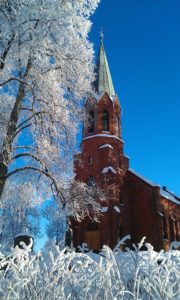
<point x="134" y="205"/>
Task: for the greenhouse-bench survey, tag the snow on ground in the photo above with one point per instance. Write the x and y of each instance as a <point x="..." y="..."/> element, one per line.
<point x="65" y="274"/>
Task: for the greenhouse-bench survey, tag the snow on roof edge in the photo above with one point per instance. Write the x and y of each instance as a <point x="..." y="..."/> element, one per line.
<point x="104" y="209"/>
<point x="143" y="178"/>
<point x="109" y="168"/>
<point x="117" y="209"/>
<point x="24" y="234"/>
<point x="106" y="146"/>
<point x="103" y="135"/>
<point x="169" y="197"/>
<point x="98" y="96"/>
<point x="162" y="193"/>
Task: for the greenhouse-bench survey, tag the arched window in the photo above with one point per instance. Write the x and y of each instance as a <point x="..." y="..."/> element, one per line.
<point x="117" y="124"/>
<point x="165" y="230"/>
<point x="92" y="226"/>
<point x="121" y="198"/>
<point x="91" y="181"/>
<point x="91" y="122"/>
<point x="90" y="160"/>
<point x="105" y="120"/>
<point x="177" y="231"/>
<point x="171" y="226"/>
<point x="92" y="236"/>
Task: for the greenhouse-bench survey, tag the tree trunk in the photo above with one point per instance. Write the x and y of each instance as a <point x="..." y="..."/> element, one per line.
<point x="5" y="155"/>
<point x="3" y="173"/>
<point x="6" y="50"/>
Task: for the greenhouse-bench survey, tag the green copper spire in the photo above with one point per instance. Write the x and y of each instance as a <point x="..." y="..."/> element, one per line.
<point x="103" y="81"/>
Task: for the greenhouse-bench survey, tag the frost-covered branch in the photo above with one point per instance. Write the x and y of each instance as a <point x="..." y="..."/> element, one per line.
<point x="46" y="70"/>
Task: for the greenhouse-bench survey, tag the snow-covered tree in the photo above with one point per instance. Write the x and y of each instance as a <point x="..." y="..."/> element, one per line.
<point x="19" y="213"/>
<point x="45" y="69"/>
<point x="56" y="226"/>
<point x="79" y="202"/>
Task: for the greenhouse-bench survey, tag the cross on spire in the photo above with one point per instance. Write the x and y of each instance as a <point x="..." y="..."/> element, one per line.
<point x="101" y="34"/>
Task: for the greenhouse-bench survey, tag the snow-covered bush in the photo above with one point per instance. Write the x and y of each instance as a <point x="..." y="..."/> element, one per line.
<point x="66" y="274"/>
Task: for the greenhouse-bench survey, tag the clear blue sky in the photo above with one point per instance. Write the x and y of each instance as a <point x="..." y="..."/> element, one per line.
<point x="142" y="43"/>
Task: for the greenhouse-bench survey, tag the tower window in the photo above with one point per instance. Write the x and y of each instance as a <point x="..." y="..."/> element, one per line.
<point x="90" y="160"/>
<point x="93" y="226"/>
<point x="164" y="228"/>
<point x="121" y="199"/>
<point x="105" y="120"/>
<point x="117" y="124"/>
<point x="91" y="181"/>
<point x="119" y="163"/>
<point x="91" y="122"/>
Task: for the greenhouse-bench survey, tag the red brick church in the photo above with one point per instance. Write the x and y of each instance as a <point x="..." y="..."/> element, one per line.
<point x="134" y="205"/>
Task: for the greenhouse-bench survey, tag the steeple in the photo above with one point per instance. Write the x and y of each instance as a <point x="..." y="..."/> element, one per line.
<point x="103" y="81"/>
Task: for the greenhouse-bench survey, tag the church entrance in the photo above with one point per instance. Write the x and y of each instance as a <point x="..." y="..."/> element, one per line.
<point x="92" y="236"/>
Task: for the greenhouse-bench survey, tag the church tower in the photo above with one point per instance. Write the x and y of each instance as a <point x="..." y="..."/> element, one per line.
<point x="101" y="161"/>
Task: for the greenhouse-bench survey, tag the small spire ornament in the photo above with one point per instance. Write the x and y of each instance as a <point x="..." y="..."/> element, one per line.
<point x="101" y="35"/>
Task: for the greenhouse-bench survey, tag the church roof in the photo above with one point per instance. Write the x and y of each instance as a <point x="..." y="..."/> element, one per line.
<point x="103" y="81"/>
<point x="171" y="197"/>
<point x="143" y="178"/>
<point x="163" y="192"/>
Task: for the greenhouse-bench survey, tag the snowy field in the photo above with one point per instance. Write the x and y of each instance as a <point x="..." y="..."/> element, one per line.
<point x="66" y="274"/>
